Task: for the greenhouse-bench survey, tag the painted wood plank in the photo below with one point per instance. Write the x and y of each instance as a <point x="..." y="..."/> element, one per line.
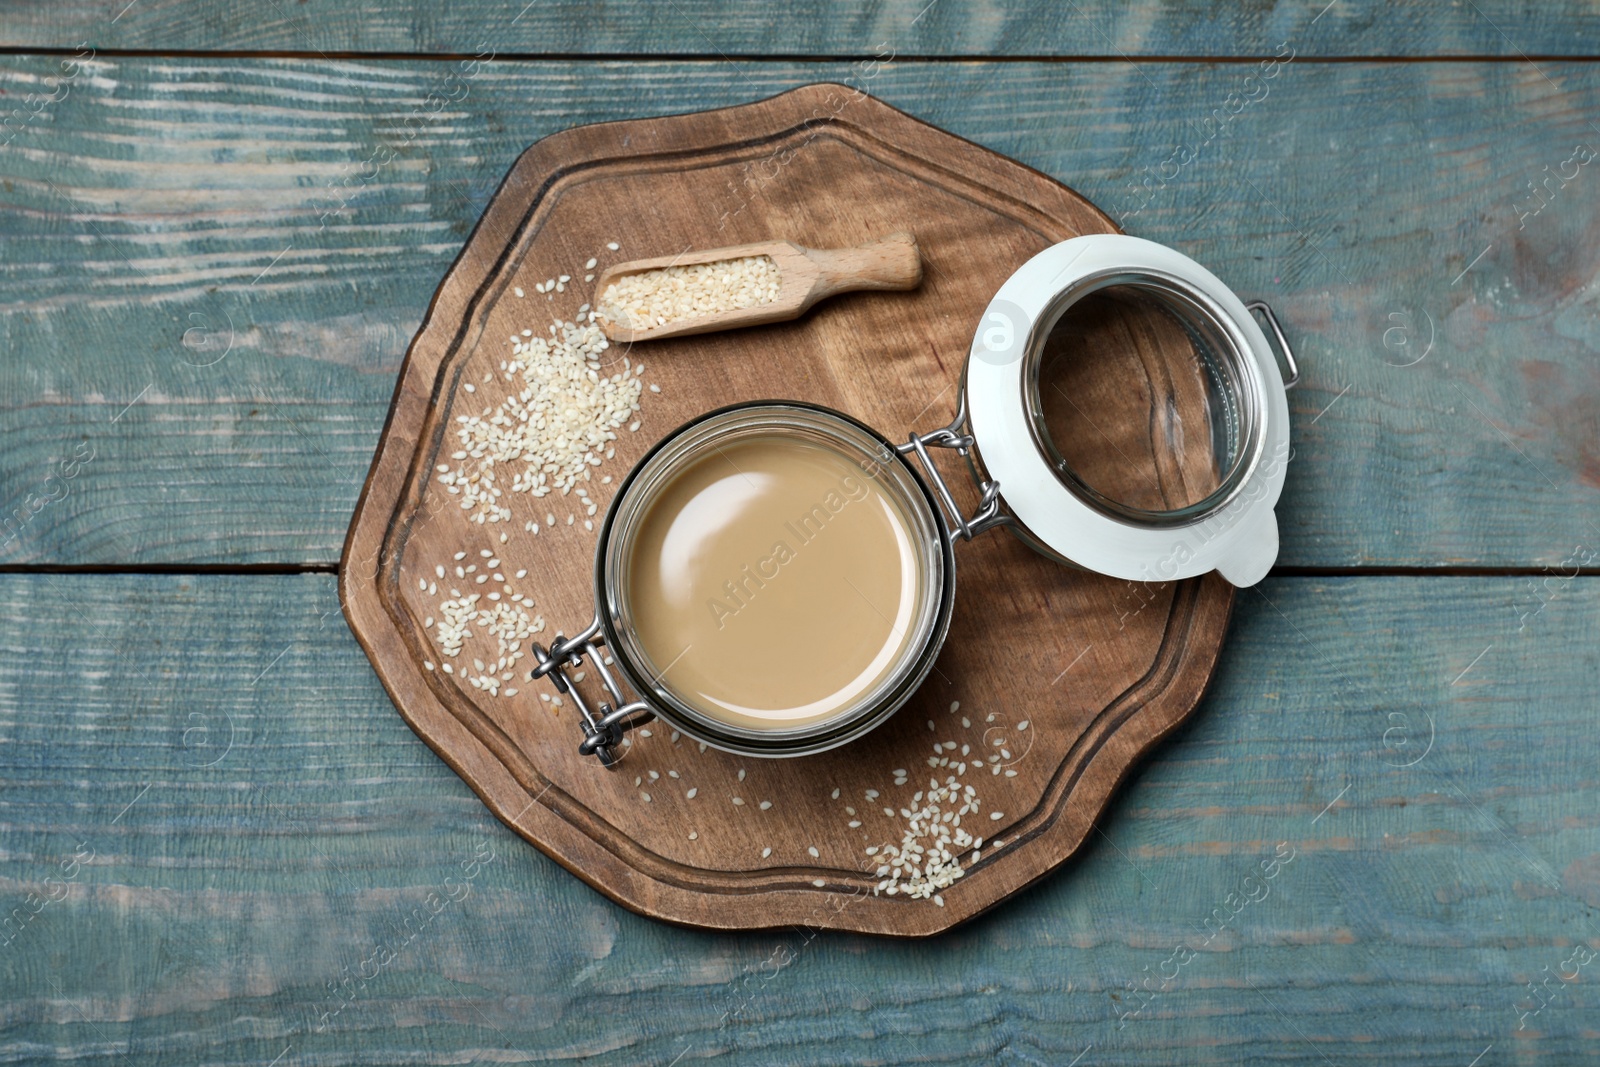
<point x="811" y="27"/>
<point x="213" y="268"/>
<point x="226" y="828"/>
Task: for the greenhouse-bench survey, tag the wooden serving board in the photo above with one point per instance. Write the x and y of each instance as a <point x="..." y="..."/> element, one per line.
<point x="1067" y="677"/>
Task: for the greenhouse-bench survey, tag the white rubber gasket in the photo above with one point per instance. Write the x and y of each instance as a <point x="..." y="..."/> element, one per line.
<point x="1239" y="539"/>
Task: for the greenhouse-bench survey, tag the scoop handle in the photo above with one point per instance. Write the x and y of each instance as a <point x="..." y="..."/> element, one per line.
<point x="890" y="263"/>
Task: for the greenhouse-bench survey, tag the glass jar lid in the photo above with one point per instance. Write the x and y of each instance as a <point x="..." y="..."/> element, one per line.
<point x="1132" y="413"/>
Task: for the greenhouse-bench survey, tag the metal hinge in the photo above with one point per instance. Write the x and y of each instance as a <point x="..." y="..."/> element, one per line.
<point x="604" y="726"/>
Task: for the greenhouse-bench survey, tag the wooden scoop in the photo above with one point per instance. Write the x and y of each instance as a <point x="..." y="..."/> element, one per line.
<point x="805" y="275"/>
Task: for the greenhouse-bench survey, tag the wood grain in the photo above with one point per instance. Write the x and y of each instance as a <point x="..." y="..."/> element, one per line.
<point x="704" y="837"/>
<point x="173" y="199"/>
<point x="1083" y="28"/>
<point x="236" y="889"/>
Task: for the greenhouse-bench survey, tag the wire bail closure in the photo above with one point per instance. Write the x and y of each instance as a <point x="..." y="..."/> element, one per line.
<point x="602" y="733"/>
<point x="954" y="436"/>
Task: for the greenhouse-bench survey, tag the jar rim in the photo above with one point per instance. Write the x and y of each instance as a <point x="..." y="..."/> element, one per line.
<point x="675" y="452"/>
<point x="1197" y="313"/>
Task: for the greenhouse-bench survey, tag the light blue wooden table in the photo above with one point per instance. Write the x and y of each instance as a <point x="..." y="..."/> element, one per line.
<point x="213" y="823"/>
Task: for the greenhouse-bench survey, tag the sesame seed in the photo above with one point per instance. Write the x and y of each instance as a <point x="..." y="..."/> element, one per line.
<point x="613" y="246"/>
<point x="738" y="801"/>
<point x="765" y="804"/>
<point x="766" y="852"/>
<point x="814" y="853"/>
<point x="692" y="792"/>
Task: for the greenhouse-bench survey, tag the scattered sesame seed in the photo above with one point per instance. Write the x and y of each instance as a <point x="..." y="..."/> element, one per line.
<point x="814" y="853"/>
<point x="738" y="801"/>
<point x="692" y="792"/>
<point x="613" y="246"/>
<point x="766" y="852"/>
<point x="765" y="804"/>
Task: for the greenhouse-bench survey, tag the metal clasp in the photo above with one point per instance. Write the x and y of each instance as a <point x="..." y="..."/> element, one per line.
<point x="954" y="436"/>
<point x="1293" y="377"/>
<point x="602" y="732"/>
